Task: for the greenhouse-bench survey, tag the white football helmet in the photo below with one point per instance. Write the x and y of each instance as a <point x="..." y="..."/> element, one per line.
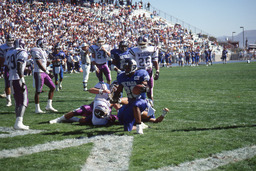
<point x="19" y="43"/>
<point x="100" y="41"/>
<point x="41" y="43"/>
<point x="101" y="111"/>
<point x="142" y="42"/>
<point x="10" y="39"/>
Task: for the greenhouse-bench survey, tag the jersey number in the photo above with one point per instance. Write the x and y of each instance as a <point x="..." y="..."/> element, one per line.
<point x="143" y="61"/>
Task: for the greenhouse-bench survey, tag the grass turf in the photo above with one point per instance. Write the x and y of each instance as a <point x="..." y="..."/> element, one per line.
<point x="212" y="109"/>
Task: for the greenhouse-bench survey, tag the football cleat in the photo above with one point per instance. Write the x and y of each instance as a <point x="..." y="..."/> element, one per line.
<point x="165" y="111"/>
<point x="39" y="111"/>
<point x="57" y="120"/>
<point x="19" y="125"/>
<point x="139" y="129"/>
<point x="9" y="103"/>
<point x="144" y="126"/>
<point x="50" y="108"/>
<point x="60" y="86"/>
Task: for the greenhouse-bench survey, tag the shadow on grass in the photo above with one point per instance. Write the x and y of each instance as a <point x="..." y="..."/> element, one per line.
<point x="215" y="128"/>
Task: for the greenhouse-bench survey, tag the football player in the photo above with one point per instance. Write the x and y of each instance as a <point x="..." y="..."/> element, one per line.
<point x="86" y="63"/>
<point x="130" y="114"/>
<point x="118" y="56"/>
<point x="96" y="113"/>
<point x="3" y="50"/>
<point x="57" y="57"/>
<point x="100" y="57"/>
<point x="16" y="60"/>
<point x="224" y="55"/>
<point x="146" y="57"/>
<point x="42" y="75"/>
<point x="197" y="55"/>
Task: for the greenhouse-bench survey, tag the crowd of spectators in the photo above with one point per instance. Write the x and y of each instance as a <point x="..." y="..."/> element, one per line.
<point x="72" y="25"/>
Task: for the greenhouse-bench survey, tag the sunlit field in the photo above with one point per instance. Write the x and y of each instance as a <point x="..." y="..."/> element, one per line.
<point x="212" y="109"/>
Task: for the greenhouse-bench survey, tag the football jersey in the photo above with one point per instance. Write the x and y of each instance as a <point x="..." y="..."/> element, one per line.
<point x="60" y="55"/>
<point x="13" y="56"/>
<point x="129" y="83"/>
<point x="102" y="86"/>
<point x="39" y="54"/>
<point x="3" y="50"/>
<point x="100" y="56"/>
<point x="85" y="58"/>
<point x="119" y="56"/>
<point x="144" y="57"/>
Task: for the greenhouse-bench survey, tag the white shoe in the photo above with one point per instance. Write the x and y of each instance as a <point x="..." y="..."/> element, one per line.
<point x="165" y="111"/>
<point x="85" y="89"/>
<point x="9" y="103"/>
<point x="139" y="129"/>
<point x="144" y="126"/>
<point x="60" y="86"/>
<point x="57" y="88"/>
<point x="3" y="95"/>
<point x="20" y="126"/>
<point x="57" y="120"/>
<point x="39" y="111"/>
<point x="51" y="109"/>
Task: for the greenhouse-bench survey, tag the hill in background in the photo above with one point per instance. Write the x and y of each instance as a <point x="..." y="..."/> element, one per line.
<point x="249" y="34"/>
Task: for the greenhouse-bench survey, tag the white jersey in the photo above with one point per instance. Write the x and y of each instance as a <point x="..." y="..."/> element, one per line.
<point x="144" y="56"/>
<point x="14" y="56"/>
<point x="101" y="56"/>
<point x="39" y="54"/>
<point x="3" y="50"/>
<point x="85" y="57"/>
<point x="100" y="121"/>
<point x="102" y="86"/>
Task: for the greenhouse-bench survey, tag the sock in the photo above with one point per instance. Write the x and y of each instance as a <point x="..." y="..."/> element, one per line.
<point x="49" y="103"/>
<point x="8" y="97"/>
<point x="37" y="106"/>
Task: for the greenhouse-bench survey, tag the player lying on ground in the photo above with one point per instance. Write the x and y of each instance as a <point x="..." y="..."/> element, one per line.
<point x="96" y="113"/>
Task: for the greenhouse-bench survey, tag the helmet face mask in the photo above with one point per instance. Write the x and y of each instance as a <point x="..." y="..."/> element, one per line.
<point x="84" y="46"/>
<point x="123" y="45"/>
<point x="142" y="42"/>
<point x="100" y="41"/>
<point x="41" y="43"/>
<point x="101" y="112"/>
<point x="10" y="40"/>
<point x="129" y="66"/>
<point x="19" y="43"/>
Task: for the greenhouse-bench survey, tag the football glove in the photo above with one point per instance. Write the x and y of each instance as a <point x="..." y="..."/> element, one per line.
<point x="156" y="75"/>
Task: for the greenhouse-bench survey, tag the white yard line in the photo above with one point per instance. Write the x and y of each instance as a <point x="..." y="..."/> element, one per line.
<point x="109" y="152"/>
<point x="217" y="160"/>
<point x="113" y="153"/>
<point x="11" y="132"/>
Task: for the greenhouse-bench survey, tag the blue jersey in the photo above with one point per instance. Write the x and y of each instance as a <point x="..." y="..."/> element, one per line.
<point x="129" y="82"/>
<point x="60" y="55"/>
<point x="118" y="56"/>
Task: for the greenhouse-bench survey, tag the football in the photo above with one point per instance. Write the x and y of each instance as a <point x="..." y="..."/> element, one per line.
<point x="139" y="88"/>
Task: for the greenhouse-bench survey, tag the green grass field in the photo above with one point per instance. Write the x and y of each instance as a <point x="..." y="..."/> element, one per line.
<point x="212" y="109"/>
